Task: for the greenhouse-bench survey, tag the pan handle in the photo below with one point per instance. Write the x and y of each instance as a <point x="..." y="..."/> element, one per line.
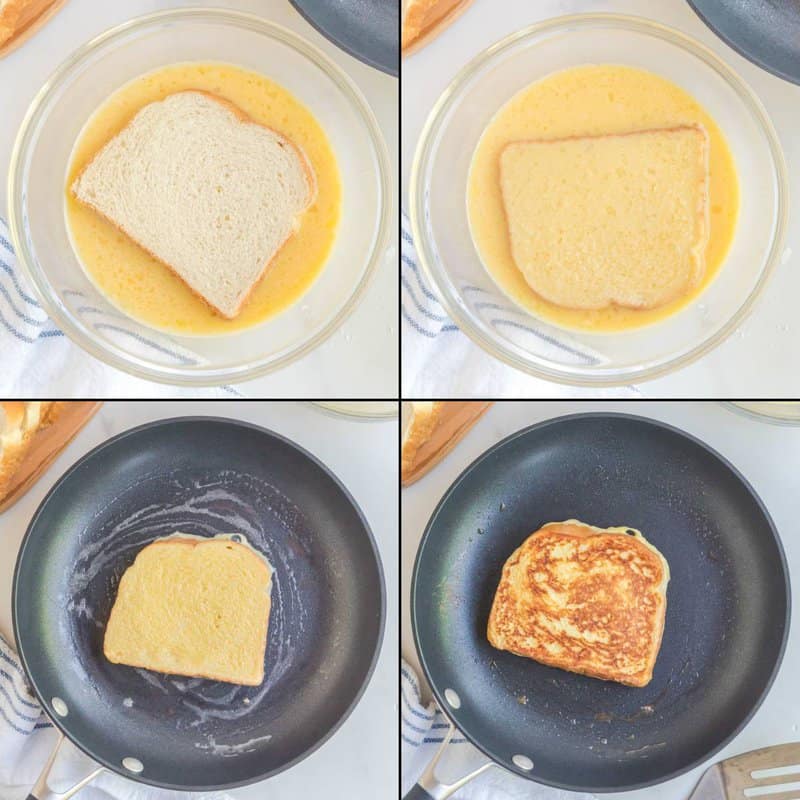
<point x="428" y="787"/>
<point x="41" y="791"/>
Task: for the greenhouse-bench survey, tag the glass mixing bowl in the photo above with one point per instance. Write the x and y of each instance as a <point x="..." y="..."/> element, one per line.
<point x="38" y="176"/>
<point x="439" y="213"/>
<point x="360" y="409"/>
<point x="781" y="412"/>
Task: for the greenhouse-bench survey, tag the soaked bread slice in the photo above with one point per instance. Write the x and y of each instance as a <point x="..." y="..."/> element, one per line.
<point x="596" y="221"/>
<point x="193" y="607"/>
<point x="584" y="599"/>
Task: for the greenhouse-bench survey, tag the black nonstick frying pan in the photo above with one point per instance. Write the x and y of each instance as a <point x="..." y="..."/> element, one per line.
<point x="727" y="605"/>
<point x="767" y="32"/>
<point x="202" y="476"/>
<point x="367" y="29"/>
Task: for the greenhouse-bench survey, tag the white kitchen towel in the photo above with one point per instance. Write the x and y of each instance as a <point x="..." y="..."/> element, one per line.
<point x="27" y="738"/>
<point x="38" y="360"/>
<point x="422" y="731"/>
<point x="440" y="361"/>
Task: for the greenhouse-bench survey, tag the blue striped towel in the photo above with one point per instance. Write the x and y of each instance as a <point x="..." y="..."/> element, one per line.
<point x="440" y="361"/>
<point x="422" y="729"/>
<point x="27" y="737"/>
<point x="38" y="360"/>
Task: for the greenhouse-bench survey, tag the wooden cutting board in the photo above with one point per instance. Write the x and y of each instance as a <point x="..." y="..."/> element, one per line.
<point x="35" y="15"/>
<point x="46" y="446"/>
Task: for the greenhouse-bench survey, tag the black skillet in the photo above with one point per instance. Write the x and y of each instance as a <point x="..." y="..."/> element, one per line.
<point x="767" y="32"/>
<point x="367" y="29"/>
<point x="202" y="476"/>
<point x="727" y="611"/>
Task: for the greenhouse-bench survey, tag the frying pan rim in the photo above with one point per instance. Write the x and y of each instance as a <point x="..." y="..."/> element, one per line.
<point x="605" y="415"/>
<point x="16" y="591"/>
<point x="742" y="51"/>
<point x="389" y="69"/>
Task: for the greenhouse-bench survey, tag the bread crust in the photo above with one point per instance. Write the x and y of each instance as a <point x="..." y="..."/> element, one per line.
<point x="244" y="118"/>
<point x="702" y="214"/>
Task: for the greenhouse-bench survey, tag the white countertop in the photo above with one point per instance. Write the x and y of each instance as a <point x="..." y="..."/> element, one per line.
<point x="767" y="455"/>
<point x="361" y="358"/>
<point x="760" y="357"/>
<point x="360" y="760"/>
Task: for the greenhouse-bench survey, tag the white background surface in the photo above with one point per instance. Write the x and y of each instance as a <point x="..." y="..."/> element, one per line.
<point x="767" y="455"/>
<point x="760" y="358"/>
<point x="360" y="760"/>
<point x="360" y="359"/>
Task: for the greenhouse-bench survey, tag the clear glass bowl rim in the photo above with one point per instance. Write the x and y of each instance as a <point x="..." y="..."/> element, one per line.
<point x="332" y="408"/>
<point x="776" y="418"/>
<point x="418" y="192"/>
<point x="203" y="375"/>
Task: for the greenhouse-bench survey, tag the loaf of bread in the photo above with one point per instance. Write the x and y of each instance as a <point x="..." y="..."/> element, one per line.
<point x="596" y="221"/>
<point x="431" y="429"/>
<point x="20" y="17"/>
<point x="205" y="190"/>
<point x="194" y="607"/>
<point x="19" y="422"/>
<point x="425" y="19"/>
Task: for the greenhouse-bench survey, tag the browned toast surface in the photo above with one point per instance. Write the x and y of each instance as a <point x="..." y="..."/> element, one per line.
<point x="583" y="599"/>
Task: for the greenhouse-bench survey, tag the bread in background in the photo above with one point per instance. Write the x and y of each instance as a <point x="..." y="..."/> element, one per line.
<point x="32" y="435"/>
<point x="20" y="420"/>
<point x="423" y="20"/>
<point x="431" y="429"/>
<point x="20" y="19"/>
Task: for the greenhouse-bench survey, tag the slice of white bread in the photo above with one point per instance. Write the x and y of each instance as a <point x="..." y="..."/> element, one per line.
<point x="425" y="19"/>
<point x="193" y="607"/>
<point x="596" y="221"/>
<point x="205" y="190"/>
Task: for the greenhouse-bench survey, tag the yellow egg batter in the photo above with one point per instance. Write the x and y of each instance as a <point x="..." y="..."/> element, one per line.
<point x="585" y="101"/>
<point x="144" y="288"/>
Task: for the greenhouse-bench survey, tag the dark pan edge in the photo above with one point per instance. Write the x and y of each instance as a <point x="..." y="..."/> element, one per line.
<point x="390" y="69"/>
<point x="752" y="58"/>
<point x="376" y="651"/>
<point x="658" y="424"/>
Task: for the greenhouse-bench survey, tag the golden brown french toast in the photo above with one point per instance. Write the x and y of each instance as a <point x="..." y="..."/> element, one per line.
<point x="584" y="599"/>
